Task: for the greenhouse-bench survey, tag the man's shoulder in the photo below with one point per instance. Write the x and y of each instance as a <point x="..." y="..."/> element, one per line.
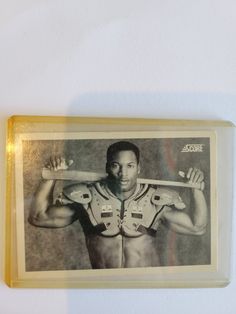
<point x="167" y="196"/>
<point x="78" y="192"/>
<point x="82" y="192"/>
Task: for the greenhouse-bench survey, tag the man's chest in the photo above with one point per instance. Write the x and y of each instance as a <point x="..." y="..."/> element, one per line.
<point x="131" y="217"/>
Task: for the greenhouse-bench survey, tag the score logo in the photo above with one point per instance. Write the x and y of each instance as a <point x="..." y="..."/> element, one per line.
<point x="192" y="148"/>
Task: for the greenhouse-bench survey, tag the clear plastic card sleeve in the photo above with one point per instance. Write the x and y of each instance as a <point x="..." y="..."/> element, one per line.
<point x="118" y="202"/>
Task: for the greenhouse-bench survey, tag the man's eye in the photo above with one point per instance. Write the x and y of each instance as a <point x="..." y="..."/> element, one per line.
<point x="130" y="166"/>
<point x="114" y="166"/>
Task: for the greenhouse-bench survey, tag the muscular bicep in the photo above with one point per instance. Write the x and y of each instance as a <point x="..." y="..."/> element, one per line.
<point x="179" y="222"/>
<point x="55" y="217"/>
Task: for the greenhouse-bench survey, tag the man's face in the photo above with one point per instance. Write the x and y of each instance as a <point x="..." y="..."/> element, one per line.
<point x="123" y="169"/>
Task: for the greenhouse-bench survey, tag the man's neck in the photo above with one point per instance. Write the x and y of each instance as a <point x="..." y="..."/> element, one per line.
<point x="125" y="195"/>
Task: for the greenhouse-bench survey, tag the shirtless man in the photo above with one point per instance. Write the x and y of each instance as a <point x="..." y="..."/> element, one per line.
<point x="122" y="215"/>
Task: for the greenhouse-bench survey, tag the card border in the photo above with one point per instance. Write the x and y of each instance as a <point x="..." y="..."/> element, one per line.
<point x="107" y="273"/>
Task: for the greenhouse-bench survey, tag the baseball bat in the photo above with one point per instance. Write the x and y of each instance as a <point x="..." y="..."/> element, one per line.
<point x="87" y="176"/>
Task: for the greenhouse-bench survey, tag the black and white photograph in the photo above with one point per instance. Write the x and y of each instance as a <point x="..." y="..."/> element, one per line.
<point x="92" y="201"/>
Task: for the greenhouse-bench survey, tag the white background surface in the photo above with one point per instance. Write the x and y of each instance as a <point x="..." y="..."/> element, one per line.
<point x="161" y="59"/>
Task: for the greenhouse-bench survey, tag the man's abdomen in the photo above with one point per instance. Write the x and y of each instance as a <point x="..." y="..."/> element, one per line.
<point x="121" y="251"/>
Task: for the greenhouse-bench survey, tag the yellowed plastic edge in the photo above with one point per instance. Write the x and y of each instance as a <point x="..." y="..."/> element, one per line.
<point x="118" y="284"/>
<point x="8" y="224"/>
<point x="119" y="120"/>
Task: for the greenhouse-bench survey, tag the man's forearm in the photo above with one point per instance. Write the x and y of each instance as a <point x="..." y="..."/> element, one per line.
<point x="200" y="216"/>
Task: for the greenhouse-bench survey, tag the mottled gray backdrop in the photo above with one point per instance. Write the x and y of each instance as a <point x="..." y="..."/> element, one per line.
<point x="64" y="248"/>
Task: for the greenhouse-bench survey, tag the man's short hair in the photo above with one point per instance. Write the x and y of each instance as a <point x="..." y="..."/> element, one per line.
<point x="122" y="146"/>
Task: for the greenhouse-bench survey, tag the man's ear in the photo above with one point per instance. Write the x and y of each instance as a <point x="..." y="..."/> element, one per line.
<point x="139" y="168"/>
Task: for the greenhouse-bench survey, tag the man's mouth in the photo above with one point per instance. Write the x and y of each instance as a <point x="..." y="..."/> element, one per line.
<point x="123" y="181"/>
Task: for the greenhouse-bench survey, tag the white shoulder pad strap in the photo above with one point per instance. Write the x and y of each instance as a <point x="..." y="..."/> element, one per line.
<point x="167" y="197"/>
<point x="78" y="193"/>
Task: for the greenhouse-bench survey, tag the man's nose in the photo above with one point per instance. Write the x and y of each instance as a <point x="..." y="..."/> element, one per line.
<point x="123" y="171"/>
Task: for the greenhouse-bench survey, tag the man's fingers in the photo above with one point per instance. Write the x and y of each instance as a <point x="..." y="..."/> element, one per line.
<point x="53" y="162"/>
<point x="70" y="162"/>
<point x="58" y="163"/>
<point x="65" y="164"/>
<point x="195" y="175"/>
<point x="189" y="173"/>
<point x="201" y="178"/>
<point x="47" y="165"/>
<point x="192" y="174"/>
<point x="62" y="161"/>
<point x="198" y="177"/>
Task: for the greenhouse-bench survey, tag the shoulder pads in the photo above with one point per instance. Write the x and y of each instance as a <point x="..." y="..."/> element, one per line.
<point x="78" y="193"/>
<point x="167" y="197"/>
